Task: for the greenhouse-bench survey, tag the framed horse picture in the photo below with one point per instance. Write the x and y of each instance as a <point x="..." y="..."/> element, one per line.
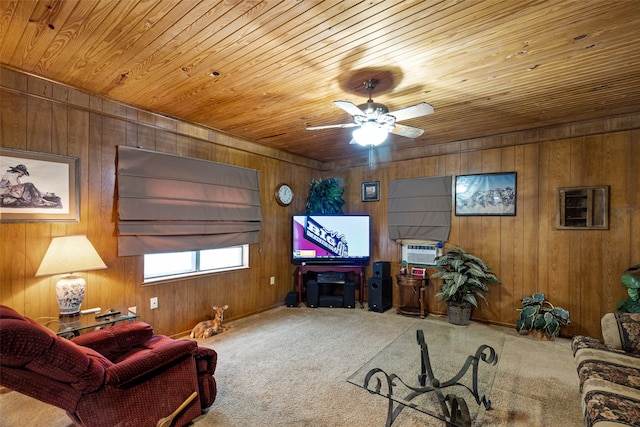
<point x="486" y="194"/>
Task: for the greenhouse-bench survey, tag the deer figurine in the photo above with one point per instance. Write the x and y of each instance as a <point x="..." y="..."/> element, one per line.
<point x="208" y="328"/>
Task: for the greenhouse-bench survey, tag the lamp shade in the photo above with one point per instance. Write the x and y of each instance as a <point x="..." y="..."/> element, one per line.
<point x="69" y="254"/>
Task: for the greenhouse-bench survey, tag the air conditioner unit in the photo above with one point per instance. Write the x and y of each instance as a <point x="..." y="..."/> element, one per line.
<point x="419" y="254"/>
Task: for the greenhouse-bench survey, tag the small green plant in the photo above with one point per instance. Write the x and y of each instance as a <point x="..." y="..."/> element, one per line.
<point x="540" y="315"/>
<point x="325" y="197"/>
<point x="464" y="277"/>
<point x="631" y="281"/>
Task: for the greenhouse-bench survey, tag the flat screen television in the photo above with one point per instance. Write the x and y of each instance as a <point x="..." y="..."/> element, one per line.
<point x="331" y="239"/>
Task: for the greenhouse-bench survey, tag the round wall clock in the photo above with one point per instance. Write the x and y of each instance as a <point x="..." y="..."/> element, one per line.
<point x="284" y="195"/>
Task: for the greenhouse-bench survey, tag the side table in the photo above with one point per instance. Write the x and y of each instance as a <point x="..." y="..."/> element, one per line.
<point x="72" y="326"/>
<point x="416" y="286"/>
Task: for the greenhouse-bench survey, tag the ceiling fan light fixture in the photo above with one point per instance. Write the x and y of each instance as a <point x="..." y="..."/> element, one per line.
<point x="370" y="134"/>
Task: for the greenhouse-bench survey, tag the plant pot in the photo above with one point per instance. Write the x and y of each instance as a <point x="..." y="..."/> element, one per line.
<point x="458" y="314"/>
<point x="541" y="335"/>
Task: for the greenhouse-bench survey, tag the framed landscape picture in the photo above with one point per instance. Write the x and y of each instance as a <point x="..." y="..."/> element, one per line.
<point x="38" y="187"/>
<point x="486" y="194"/>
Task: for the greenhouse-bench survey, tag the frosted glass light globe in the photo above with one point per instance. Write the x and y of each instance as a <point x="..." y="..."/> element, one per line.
<point x="370" y="134"/>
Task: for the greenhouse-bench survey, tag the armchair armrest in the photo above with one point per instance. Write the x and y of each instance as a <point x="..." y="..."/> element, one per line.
<point x="147" y="362"/>
<point x="620" y="331"/>
<point x="206" y="360"/>
<point x="116" y="340"/>
<point x="580" y="342"/>
<point x="586" y="348"/>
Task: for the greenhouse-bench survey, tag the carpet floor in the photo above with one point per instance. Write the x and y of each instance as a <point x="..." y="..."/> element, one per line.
<point x="288" y="367"/>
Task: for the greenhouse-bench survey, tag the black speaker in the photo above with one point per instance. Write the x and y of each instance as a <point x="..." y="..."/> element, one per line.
<point x="381" y="269"/>
<point x="325" y="288"/>
<point x="313" y="294"/>
<point x="380" y="294"/>
<point x="291" y="300"/>
<point x="349" y="295"/>
<point x="333" y="301"/>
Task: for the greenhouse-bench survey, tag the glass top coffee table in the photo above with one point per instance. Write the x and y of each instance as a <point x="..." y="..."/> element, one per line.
<point x="68" y="327"/>
<point x="443" y="370"/>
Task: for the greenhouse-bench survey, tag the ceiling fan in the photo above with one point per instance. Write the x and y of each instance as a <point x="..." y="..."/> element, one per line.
<point x="374" y="121"/>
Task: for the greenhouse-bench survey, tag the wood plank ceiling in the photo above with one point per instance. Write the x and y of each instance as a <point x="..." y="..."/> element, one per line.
<point x="265" y="70"/>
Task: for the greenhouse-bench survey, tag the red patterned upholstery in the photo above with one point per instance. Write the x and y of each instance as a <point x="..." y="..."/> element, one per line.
<point x="123" y="375"/>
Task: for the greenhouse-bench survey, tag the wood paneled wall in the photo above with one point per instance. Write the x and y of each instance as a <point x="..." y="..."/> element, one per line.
<point x="41" y="116"/>
<point x="575" y="269"/>
<point x="578" y="270"/>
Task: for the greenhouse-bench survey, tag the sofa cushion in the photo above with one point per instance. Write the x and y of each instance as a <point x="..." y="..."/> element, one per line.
<point x="624" y="375"/>
<point x="606" y="403"/>
<point x="621" y="331"/>
<point x="608" y="355"/>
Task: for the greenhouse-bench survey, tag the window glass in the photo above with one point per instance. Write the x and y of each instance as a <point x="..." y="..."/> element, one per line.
<point x="156" y="265"/>
<point x="179" y="264"/>
<point x="215" y="259"/>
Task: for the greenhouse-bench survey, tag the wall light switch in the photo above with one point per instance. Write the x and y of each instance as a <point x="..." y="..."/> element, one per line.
<point x="272" y="281"/>
<point x="154" y="303"/>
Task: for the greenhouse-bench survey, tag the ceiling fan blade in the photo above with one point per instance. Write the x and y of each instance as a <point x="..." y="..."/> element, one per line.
<point x="417" y="110"/>
<point x="350" y="108"/>
<point x="343" y="125"/>
<point x="408" y="131"/>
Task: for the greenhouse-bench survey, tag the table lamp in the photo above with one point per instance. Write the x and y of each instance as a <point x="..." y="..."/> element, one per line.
<point x="68" y="255"/>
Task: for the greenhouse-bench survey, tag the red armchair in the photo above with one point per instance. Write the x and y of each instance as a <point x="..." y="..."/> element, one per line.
<point x="120" y="376"/>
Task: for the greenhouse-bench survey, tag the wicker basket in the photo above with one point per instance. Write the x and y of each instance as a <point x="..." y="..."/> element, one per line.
<point x="458" y="314"/>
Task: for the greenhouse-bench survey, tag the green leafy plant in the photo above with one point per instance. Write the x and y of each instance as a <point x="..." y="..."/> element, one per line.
<point x="465" y="277"/>
<point x="538" y="314"/>
<point x="631" y="281"/>
<point x="325" y="197"/>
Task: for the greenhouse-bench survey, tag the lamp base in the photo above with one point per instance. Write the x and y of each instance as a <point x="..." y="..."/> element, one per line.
<point x="70" y="294"/>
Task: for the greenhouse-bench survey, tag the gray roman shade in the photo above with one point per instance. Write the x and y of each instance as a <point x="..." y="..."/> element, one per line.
<point x="420" y="209"/>
<point x="170" y="203"/>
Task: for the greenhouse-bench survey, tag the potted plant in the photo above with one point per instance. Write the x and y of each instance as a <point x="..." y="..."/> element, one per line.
<point x="540" y="318"/>
<point x="631" y="281"/>
<point x="465" y="278"/>
<point x="325" y="197"/>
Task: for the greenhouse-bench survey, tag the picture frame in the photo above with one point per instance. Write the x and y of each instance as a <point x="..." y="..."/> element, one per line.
<point x="371" y="191"/>
<point x="486" y="194"/>
<point x="38" y="187"/>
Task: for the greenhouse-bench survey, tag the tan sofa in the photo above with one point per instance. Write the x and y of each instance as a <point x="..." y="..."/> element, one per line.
<point x="609" y="372"/>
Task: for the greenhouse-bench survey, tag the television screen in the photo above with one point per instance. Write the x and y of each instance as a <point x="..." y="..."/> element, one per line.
<point x="331" y="239"/>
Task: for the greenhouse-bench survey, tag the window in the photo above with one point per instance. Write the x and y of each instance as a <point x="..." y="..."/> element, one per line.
<point x="181" y="264"/>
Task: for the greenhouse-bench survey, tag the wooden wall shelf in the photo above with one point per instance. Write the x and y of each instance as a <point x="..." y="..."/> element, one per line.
<point x="582" y="208"/>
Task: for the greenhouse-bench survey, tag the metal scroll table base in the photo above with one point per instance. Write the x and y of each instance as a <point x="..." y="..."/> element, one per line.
<point x="455" y="411"/>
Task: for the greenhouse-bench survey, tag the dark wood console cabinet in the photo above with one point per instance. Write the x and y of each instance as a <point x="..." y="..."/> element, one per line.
<point x="359" y="270"/>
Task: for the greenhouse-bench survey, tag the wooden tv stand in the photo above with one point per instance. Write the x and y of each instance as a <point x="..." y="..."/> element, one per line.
<point x="339" y="268"/>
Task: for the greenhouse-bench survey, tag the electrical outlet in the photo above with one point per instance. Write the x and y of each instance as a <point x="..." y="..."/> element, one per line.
<point x="154" y="303"/>
<point x="272" y="281"/>
<point x="133" y="309"/>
